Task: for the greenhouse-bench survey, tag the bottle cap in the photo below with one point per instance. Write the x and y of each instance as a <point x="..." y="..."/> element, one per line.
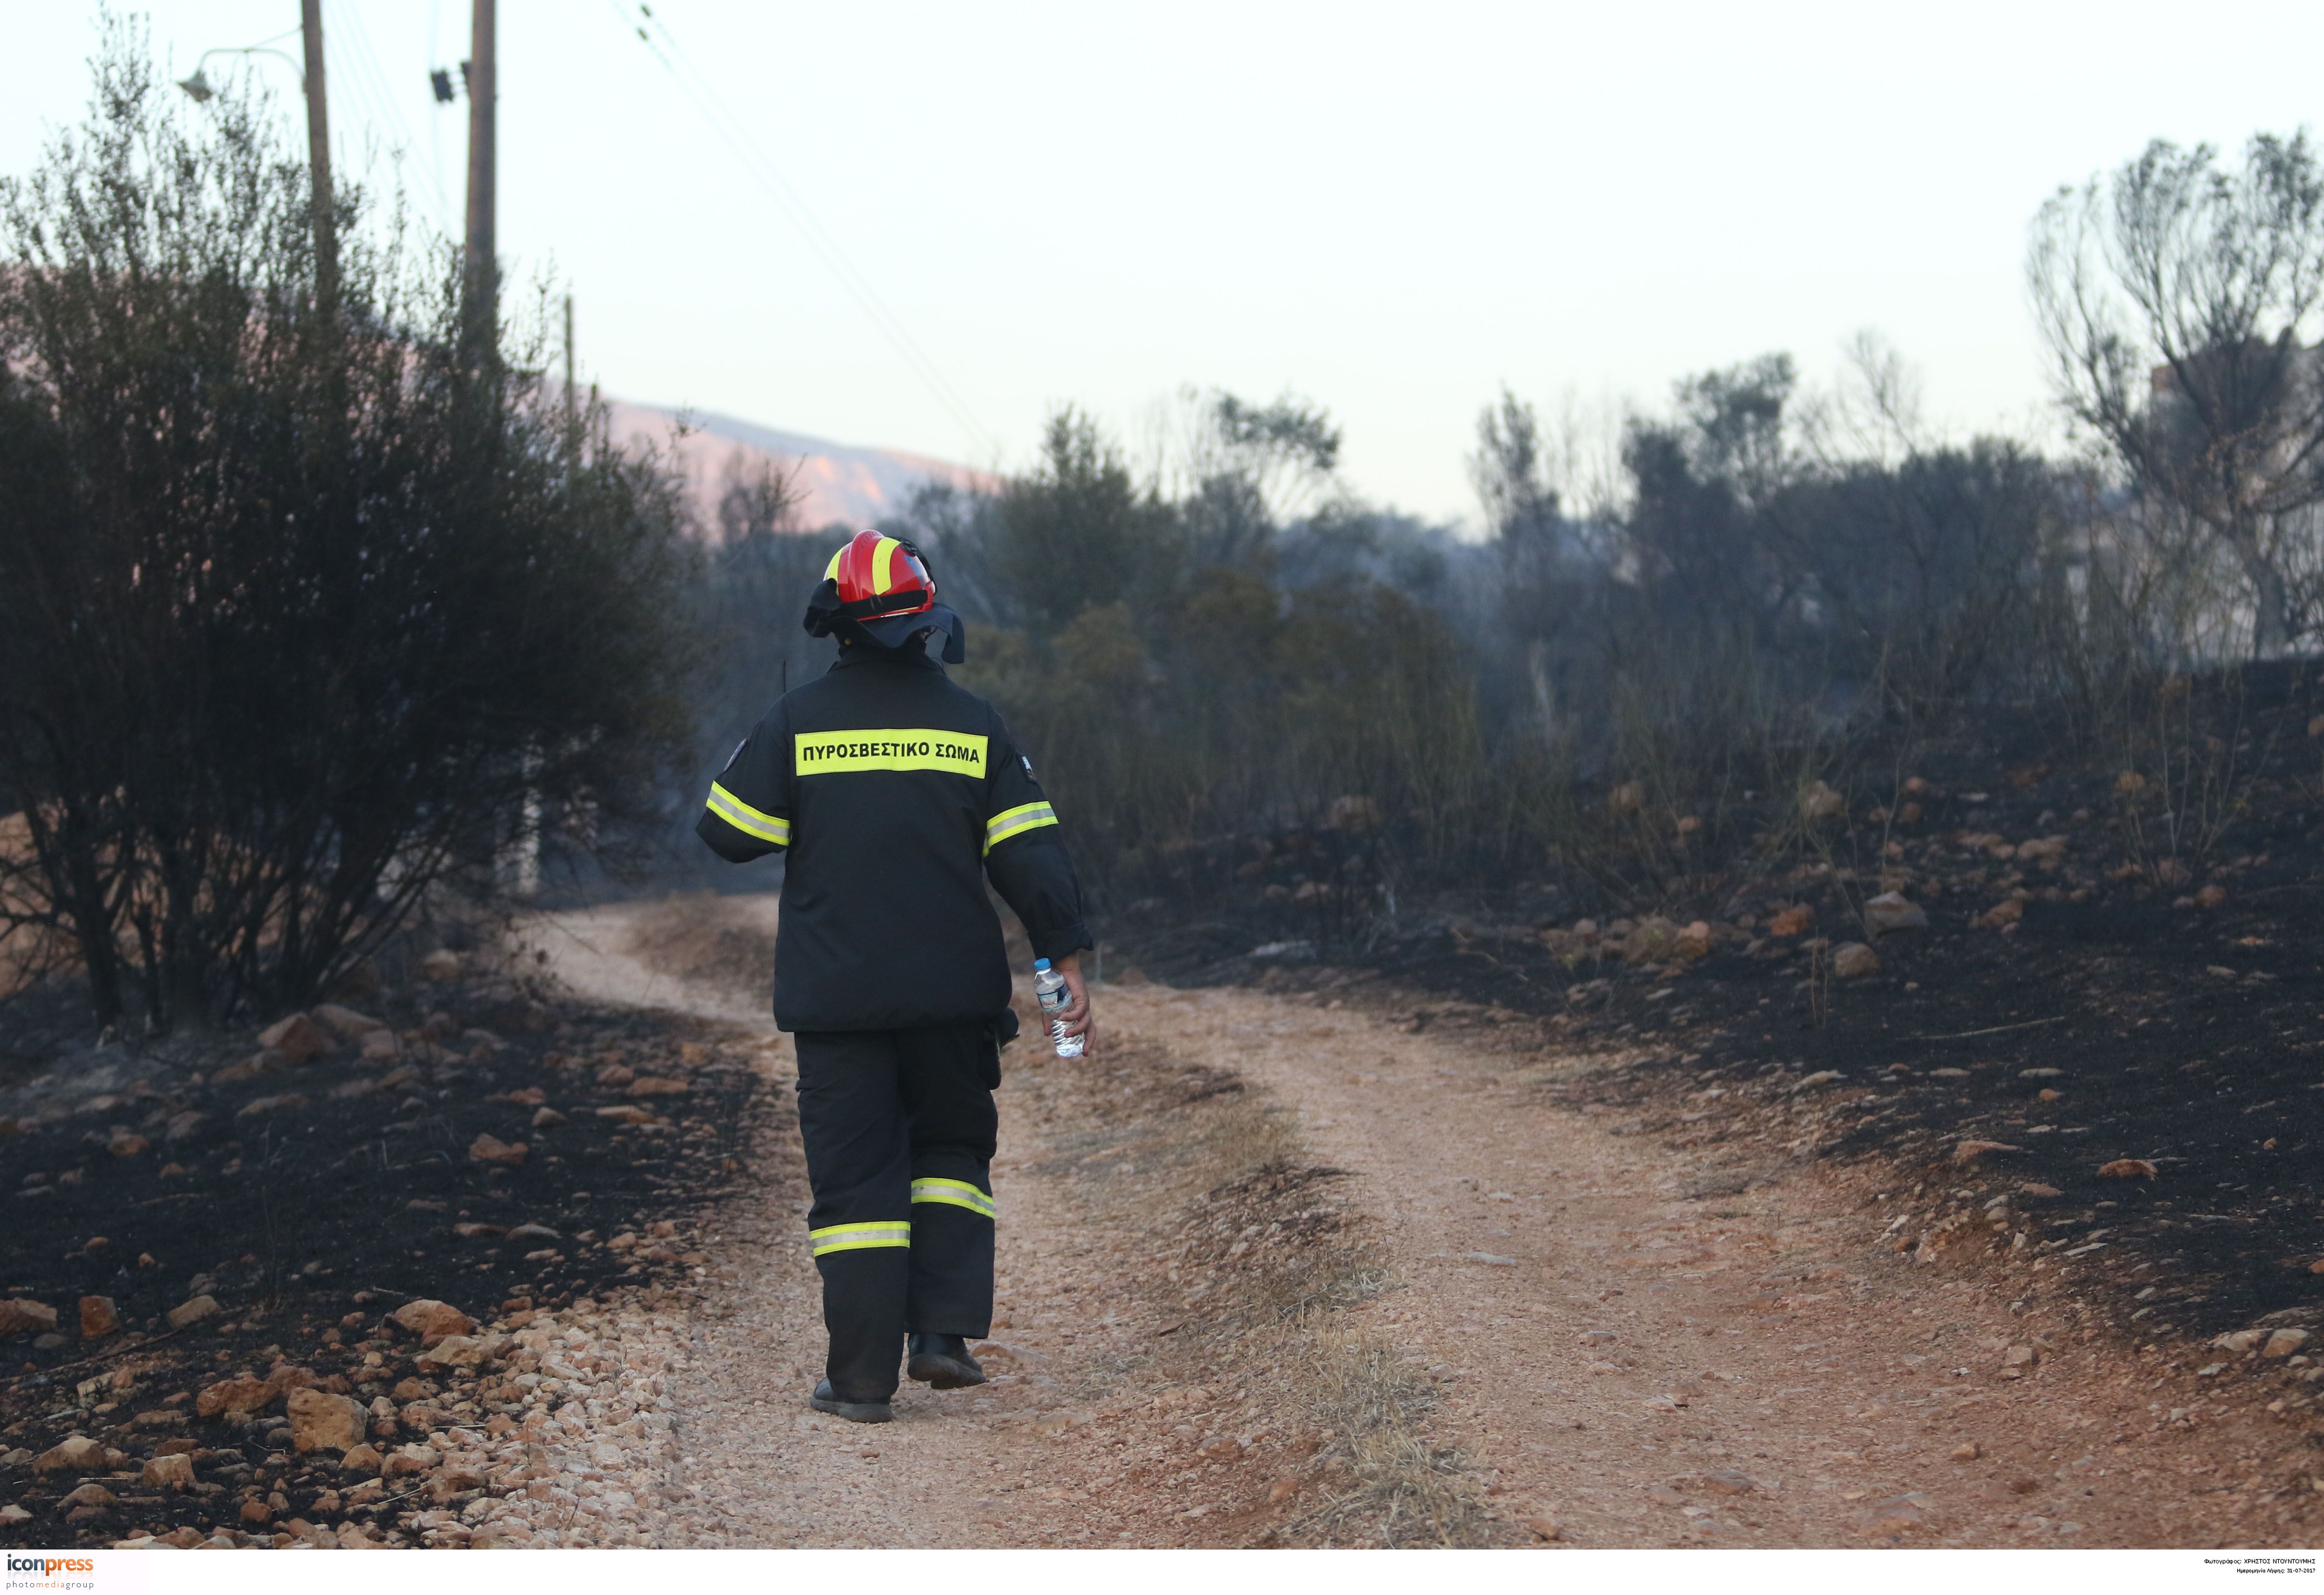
<point x="1039" y="965"/>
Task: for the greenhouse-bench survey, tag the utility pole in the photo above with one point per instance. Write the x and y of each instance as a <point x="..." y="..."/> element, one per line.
<point x="318" y="157"/>
<point x="572" y="413"/>
<point x="483" y="268"/>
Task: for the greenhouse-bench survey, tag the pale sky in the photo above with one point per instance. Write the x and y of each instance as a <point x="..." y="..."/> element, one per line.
<point x="1392" y="211"/>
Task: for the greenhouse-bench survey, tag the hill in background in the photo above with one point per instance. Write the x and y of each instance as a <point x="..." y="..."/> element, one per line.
<point x="856" y="486"/>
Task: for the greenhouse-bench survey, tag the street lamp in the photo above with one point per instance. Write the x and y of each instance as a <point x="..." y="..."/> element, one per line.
<point x="199" y="87"/>
<point x="198" y="90"/>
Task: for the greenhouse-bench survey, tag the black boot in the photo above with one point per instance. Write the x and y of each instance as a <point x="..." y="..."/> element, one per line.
<point x="942" y="1363"/>
<point x="854" y="1412"/>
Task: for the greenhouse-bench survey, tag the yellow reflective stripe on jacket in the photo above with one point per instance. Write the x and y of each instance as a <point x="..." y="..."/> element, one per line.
<point x="955" y="1193"/>
<point x="857" y="1237"/>
<point x="766" y="827"/>
<point x="1009" y="822"/>
<point x="827" y="752"/>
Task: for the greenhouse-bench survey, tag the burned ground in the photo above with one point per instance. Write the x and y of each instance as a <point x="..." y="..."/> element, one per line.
<point x="307" y="1204"/>
<point x="2087" y="993"/>
<point x="2130" y="1005"/>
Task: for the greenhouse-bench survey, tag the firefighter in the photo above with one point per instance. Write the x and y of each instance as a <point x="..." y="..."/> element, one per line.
<point x="895" y="795"/>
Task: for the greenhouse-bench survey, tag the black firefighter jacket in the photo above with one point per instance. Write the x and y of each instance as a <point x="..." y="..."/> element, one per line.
<point x="896" y="794"/>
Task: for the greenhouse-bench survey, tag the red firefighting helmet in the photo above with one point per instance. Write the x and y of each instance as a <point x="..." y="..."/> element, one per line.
<point x="879" y="589"/>
<point x="880" y="576"/>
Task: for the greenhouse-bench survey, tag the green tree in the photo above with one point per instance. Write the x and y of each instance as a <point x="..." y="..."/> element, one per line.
<point x="1079" y="533"/>
<point x="302" y="615"/>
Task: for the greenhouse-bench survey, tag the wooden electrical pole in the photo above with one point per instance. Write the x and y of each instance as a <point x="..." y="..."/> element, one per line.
<point x="572" y="412"/>
<point x="318" y="156"/>
<point x="483" y="268"/>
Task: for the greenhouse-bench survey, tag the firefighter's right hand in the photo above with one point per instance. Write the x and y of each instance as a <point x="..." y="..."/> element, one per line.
<point x="1076" y="1018"/>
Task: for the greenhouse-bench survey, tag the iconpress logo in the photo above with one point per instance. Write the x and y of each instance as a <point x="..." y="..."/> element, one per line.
<point x="73" y="1573"/>
<point x="31" y="1571"/>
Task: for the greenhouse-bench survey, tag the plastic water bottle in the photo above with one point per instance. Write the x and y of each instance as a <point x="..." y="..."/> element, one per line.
<point x="1049" y="986"/>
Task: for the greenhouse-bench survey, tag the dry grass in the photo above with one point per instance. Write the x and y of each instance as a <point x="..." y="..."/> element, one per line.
<point x="1384" y="1482"/>
<point x="693" y="937"/>
<point x="1260" y="1250"/>
<point x="1391" y="1484"/>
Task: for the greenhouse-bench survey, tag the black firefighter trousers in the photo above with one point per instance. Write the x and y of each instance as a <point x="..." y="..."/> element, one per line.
<point x="899" y="1126"/>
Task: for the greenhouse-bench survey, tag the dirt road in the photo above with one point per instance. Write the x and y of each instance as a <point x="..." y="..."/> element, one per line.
<point x="1661" y="1365"/>
<point x="1571" y="1327"/>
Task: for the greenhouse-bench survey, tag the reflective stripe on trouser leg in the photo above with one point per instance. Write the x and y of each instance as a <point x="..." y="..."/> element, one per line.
<point x="853" y="1125"/>
<point x="858" y="1237"/>
<point x="951" y="1288"/>
<point x="945" y="1077"/>
<point x="953" y="1194"/>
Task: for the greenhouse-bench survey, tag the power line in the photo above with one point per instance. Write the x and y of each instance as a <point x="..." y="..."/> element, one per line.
<point x="737" y="137"/>
<point x="812" y="223"/>
<point x="754" y="160"/>
<point x="362" y="72"/>
<point x="435" y="118"/>
<point x="351" y="92"/>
